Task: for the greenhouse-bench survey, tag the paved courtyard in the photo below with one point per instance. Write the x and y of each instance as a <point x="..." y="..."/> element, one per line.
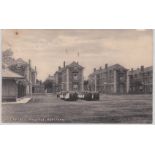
<point x="110" y="109"/>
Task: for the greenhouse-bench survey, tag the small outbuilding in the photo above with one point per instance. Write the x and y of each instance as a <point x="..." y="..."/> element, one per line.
<point x="10" y="88"/>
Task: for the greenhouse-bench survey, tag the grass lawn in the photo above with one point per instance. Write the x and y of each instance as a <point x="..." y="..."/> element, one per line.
<point x="110" y="109"/>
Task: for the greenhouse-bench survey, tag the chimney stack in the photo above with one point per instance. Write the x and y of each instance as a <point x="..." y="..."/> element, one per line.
<point x="142" y="68"/>
<point x="64" y="64"/>
<point x="94" y="69"/>
<point x="59" y="68"/>
<point x="29" y="63"/>
<point x="100" y="68"/>
<point x="35" y="69"/>
<point x="106" y="66"/>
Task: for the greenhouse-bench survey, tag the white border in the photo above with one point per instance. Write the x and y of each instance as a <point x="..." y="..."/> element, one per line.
<point x="77" y="139"/>
<point x="0" y="75"/>
<point x="153" y="102"/>
<point x="153" y="95"/>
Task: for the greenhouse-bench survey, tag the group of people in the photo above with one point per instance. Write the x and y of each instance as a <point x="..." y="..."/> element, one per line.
<point x="73" y="96"/>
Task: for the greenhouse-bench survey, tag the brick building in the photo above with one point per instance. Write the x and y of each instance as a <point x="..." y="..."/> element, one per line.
<point x="22" y="68"/>
<point x="109" y="80"/>
<point x="69" y="77"/>
<point x="58" y="79"/>
<point x="38" y="88"/>
<point x="139" y="81"/>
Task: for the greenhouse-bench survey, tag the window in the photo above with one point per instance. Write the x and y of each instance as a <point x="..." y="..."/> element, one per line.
<point x="75" y="68"/>
<point x="75" y="87"/>
<point x="75" y="76"/>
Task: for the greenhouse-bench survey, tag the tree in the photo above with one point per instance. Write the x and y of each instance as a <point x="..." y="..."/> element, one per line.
<point x="49" y="85"/>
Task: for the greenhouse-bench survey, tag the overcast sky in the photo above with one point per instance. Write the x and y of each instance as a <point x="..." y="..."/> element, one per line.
<point x="91" y="48"/>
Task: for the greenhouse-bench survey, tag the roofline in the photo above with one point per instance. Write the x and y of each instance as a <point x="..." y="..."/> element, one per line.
<point x="12" y="77"/>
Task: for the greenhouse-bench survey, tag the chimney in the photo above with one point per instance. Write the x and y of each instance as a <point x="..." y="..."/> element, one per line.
<point x="142" y="68"/>
<point x="94" y="69"/>
<point x="35" y="69"/>
<point x="29" y="63"/>
<point x="106" y="66"/>
<point x="64" y="64"/>
<point x="59" y="68"/>
<point x="132" y="69"/>
<point x="100" y="68"/>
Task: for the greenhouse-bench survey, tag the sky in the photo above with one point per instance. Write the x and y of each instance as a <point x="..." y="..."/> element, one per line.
<point x="47" y="48"/>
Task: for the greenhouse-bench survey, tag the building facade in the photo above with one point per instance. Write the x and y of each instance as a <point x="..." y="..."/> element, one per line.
<point x="38" y="88"/>
<point x="58" y="79"/>
<point x="23" y="68"/>
<point x="69" y="77"/>
<point x="108" y="80"/>
<point x="11" y="87"/>
<point x="139" y="81"/>
<point x="116" y="79"/>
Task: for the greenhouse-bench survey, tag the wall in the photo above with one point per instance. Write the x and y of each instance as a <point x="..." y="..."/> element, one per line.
<point x="9" y="88"/>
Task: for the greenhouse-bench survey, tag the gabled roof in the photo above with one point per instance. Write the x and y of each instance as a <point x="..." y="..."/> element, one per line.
<point x="112" y="67"/>
<point x="6" y="73"/>
<point x="148" y="69"/>
<point x="116" y="66"/>
<point x="21" y="61"/>
<point x="73" y="64"/>
<point x="138" y="70"/>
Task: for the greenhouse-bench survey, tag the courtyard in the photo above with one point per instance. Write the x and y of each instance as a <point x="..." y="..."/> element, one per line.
<point x="47" y="108"/>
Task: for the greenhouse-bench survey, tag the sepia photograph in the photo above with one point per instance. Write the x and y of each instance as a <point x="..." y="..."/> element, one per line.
<point x="77" y="76"/>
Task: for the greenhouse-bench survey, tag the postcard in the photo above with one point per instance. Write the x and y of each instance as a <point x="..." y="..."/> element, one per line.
<point x="77" y="76"/>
